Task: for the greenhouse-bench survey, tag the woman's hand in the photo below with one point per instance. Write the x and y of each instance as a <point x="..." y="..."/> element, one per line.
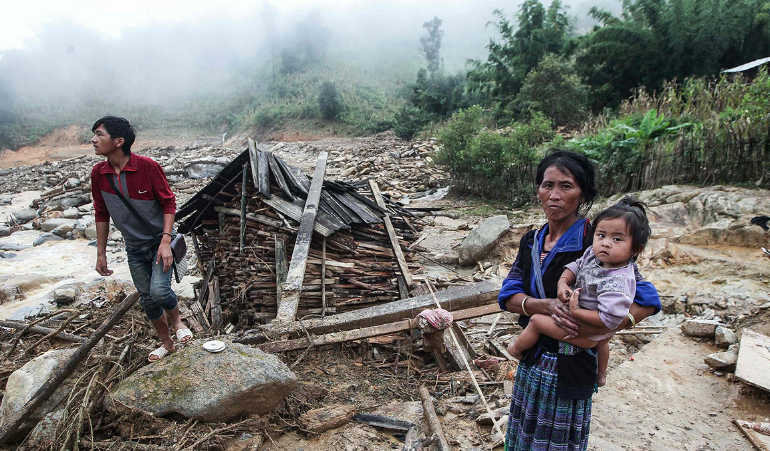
<point x="563" y="318"/>
<point x="563" y="292"/>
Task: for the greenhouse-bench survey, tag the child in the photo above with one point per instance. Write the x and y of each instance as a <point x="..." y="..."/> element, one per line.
<point x="604" y="279"/>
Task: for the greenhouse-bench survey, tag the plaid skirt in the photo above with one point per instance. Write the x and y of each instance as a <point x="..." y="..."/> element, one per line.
<point x="539" y="421"/>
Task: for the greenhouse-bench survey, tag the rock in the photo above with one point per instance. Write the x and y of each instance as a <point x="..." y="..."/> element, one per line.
<point x="46" y="237"/>
<point x="116" y="236"/>
<point x="207" y="386"/>
<point x="65" y="295"/>
<point x="6" y="199"/>
<point x="64" y="230"/>
<point x="91" y="231"/>
<point x="13" y="247"/>
<point x="724" y="337"/>
<point x="325" y="418"/>
<point x="672" y="214"/>
<point x="43" y="434"/>
<point x="25" y="381"/>
<point x="71" y="213"/>
<point x="724" y="361"/>
<point x="24" y="215"/>
<point x="72" y="182"/>
<point x="700" y="327"/>
<point x="481" y="239"/>
<point x="5" y="230"/>
<point x="7" y="255"/>
<point x="203" y="169"/>
<point x="55" y="223"/>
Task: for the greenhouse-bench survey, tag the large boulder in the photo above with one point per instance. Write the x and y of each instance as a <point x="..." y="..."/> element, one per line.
<point x="24" y="382"/>
<point x="207" y="386"/>
<point x="478" y="243"/>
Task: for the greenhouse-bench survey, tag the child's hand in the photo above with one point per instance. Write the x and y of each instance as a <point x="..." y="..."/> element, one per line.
<point x="573" y="300"/>
<point x="563" y="292"/>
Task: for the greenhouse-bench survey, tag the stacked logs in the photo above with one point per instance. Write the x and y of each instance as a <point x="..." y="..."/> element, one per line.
<point x="359" y="264"/>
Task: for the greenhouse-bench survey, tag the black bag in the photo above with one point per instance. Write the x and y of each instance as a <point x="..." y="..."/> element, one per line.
<point x="178" y="243"/>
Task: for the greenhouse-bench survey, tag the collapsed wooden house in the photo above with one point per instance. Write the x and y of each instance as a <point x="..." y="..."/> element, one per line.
<point x="349" y="246"/>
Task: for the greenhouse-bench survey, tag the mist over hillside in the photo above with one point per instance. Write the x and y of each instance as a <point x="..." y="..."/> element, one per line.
<point x="69" y="67"/>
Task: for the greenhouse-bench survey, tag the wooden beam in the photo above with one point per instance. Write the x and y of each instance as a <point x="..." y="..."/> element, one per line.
<point x="242" y="243"/>
<point x="454" y="352"/>
<point x="263" y="178"/>
<point x="481" y="294"/>
<point x="281" y="268"/>
<point x="367" y="332"/>
<point x="42" y="330"/>
<point x="402" y="266"/>
<point x="16" y="419"/>
<point x="429" y="414"/>
<point x="287" y="310"/>
<point x="323" y="277"/>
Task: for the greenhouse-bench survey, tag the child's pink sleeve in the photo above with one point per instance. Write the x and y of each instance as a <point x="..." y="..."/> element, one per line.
<point x="581" y="262"/>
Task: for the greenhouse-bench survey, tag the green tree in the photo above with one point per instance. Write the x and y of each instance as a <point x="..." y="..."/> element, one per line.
<point x="538" y="31"/>
<point x="430" y="44"/>
<point x="554" y="89"/>
<point x="328" y="101"/>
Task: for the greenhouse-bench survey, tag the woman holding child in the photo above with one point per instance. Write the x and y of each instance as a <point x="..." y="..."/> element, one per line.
<point x="551" y="402"/>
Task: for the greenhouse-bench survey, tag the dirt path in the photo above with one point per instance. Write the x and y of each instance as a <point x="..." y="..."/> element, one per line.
<point x="667" y="398"/>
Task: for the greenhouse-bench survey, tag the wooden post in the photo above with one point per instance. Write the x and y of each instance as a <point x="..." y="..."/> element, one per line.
<point x="281" y="268"/>
<point x="287" y="310"/>
<point x="323" y="277"/>
<point x="16" y="419"/>
<point x="392" y="235"/>
<point x="429" y="413"/>
<point x="243" y="207"/>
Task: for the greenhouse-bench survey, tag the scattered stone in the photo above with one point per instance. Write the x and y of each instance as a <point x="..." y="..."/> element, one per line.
<point x="65" y="296"/>
<point x="46" y="237"/>
<point x="325" y="418"/>
<point x="52" y="224"/>
<point x="700" y="328"/>
<point x="90" y="231"/>
<point x="721" y="304"/>
<point x="7" y="255"/>
<point x="207" y="386"/>
<point x="71" y="213"/>
<point x="24" y="382"/>
<point x="5" y="230"/>
<point x="24" y="215"/>
<point x="481" y="239"/>
<point x="43" y="434"/>
<point x="64" y="231"/>
<point x="72" y="182"/>
<point x="13" y="247"/>
<point x="724" y="361"/>
<point x="724" y="337"/>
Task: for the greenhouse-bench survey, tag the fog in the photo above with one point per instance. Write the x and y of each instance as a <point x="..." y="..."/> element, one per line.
<point x="67" y="66"/>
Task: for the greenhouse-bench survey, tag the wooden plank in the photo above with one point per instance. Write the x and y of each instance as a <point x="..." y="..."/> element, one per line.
<point x="365" y="332"/>
<point x="216" y="308"/>
<point x="294" y="211"/>
<point x="263" y="179"/>
<point x="434" y="425"/>
<point x="262" y="219"/>
<point x="323" y="277"/>
<point x="275" y="170"/>
<point x="242" y="242"/>
<point x="287" y="310"/>
<point x="481" y="294"/>
<point x="392" y="235"/>
<point x="753" y="365"/>
<point x="455" y="353"/>
<point x="281" y="268"/>
<point x="759" y="440"/>
<point x="253" y="161"/>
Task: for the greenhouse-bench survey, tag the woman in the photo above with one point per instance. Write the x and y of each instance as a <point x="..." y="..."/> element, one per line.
<point x="551" y="402"/>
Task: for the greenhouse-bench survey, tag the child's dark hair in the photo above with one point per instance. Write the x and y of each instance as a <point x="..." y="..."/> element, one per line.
<point x="118" y="127"/>
<point x="633" y="213"/>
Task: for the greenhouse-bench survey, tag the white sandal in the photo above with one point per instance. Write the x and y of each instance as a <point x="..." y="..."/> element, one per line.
<point x="184" y="335"/>
<point x="159" y="353"/>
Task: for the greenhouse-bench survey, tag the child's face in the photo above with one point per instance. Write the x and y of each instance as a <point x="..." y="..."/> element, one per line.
<point x="613" y="245"/>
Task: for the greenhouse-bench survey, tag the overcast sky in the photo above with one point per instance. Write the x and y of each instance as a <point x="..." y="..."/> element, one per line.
<point x="22" y="20"/>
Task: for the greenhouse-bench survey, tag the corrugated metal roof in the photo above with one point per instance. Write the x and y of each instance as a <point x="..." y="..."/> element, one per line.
<point x="747" y="66"/>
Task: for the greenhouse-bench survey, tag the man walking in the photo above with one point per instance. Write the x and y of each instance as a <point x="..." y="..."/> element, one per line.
<point x="125" y="178"/>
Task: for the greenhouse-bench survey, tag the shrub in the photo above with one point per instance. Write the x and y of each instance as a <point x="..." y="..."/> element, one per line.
<point x="328" y="101"/>
<point x="409" y="121"/>
<point x="554" y="89"/>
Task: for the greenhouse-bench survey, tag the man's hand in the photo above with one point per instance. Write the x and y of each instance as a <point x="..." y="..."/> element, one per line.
<point x="101" y="265"/>
<point x="165" y="255"/>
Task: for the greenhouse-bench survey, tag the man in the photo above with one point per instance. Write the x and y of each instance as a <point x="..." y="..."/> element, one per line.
<point x="143" y="184"/>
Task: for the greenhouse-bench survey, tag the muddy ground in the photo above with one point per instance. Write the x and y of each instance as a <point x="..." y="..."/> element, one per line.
<point x="660" y="395"/>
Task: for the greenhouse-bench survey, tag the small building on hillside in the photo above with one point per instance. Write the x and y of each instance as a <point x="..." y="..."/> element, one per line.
<point x="244" y="226"/>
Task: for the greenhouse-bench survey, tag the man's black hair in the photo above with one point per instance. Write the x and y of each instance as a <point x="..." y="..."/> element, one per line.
<point x="633" y="213"/>
<point x="572" y="163"/>
<point x="118" y="127"/>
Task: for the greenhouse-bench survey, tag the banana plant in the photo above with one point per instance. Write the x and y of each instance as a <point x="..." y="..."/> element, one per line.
<point x="653" y="127"/>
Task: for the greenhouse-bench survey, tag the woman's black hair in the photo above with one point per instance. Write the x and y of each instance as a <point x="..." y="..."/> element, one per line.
<point x="577" y="165"/>
<point x="118" y="127"/>
<point x="633" y="213"/>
